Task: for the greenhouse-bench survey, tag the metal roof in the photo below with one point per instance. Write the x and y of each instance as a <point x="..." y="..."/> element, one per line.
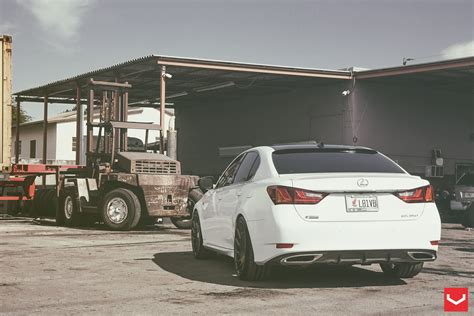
<point x="190" y="77"/>
<point x="454" y="74"/>
<point x="201" y="78"/>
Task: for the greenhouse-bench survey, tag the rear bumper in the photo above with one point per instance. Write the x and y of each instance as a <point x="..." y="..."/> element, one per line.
<point x="390" y="240"/>
<point x="354" y="257"/>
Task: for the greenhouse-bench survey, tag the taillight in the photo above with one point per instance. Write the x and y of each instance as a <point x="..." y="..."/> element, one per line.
<point x="287" y="195"/>
<point x="418" y="195"/>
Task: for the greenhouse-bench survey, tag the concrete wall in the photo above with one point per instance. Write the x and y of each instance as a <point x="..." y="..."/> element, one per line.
<point x="405" y="122"/>
<point x="35" y="132"/>
<point x="300" y="115"/>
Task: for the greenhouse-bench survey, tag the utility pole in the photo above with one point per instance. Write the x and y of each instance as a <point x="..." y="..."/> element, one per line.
<point x="6" y="100"/>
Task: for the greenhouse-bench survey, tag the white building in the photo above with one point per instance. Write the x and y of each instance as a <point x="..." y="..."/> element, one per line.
<point x="62" y="135"/>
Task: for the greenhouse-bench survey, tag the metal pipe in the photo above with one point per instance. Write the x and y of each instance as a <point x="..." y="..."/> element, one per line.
<point x="45" y="129"/>
<point x="17" y="132"/>
<point x="79" y="128"/>
<point x="171" y="148"/>
<point x="116" y="115"/>
<point x="110" y="85"/>
<point x="162" y="107"/>
<point x="125" y="119"/>
<point x="45" y="134"/>
<point x="89" y="137"/>
<point x="257" y="69"/>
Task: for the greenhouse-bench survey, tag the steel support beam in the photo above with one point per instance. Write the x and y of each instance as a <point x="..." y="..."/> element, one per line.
<point x="89" y="137"/>
<point x="124" y="134"/>
<point x="255" y="69"/>
<point x="45" y="129"/>
<point x="17" y="130"/>
<point x="79" y="127"/>
<point x="45" y="134"/>
<point x="162" y="107"/>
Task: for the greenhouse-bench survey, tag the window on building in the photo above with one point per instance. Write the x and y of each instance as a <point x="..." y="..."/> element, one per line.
<point x="19" y="147"/>
<point x="32" y="148"/>
<point x="74" y="144"/>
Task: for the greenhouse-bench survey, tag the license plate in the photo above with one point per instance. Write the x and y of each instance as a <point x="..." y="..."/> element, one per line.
<point x="468" y="195"/>
<point x="362" y="203"/>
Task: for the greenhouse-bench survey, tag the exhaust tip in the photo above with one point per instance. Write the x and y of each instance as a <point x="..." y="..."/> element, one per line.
<point x="422" y="256"/>
<point x="301" y="259"/>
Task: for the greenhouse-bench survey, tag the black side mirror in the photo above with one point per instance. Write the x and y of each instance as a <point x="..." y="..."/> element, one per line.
<point x="205" y="183"/>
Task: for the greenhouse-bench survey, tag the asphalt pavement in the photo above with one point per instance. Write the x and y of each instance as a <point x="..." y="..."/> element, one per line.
<point x="46" y="269"/>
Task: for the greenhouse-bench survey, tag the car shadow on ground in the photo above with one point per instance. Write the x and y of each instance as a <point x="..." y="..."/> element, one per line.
<point x="220" y="270"/>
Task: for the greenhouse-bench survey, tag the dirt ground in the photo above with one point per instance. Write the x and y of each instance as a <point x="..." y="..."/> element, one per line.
<point x="46" y="269"/>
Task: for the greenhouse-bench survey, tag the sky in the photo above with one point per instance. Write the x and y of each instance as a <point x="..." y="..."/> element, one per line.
<point x="56" y="39"/>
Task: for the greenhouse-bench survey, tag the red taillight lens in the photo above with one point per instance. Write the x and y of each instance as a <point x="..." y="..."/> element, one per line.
<point x="418" y="195"/>
<point x="287" y="195"/>
<point x="284" y="246"/>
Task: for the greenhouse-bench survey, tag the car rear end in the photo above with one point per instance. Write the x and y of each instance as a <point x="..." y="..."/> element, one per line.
<point x="464" y="190"/>
<point x="345" y="205"/>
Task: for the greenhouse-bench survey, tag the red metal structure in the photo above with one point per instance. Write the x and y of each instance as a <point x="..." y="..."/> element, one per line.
<point x="18" y="183"/>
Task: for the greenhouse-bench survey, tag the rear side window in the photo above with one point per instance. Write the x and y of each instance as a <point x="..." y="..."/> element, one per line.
<point x="229" y="174"/>
<point x="332" y="160"/>
<point x="243" y="174"/>
<point x="467" y="179"/>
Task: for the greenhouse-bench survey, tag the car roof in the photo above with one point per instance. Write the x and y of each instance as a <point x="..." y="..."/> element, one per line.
<point x="314" y="145"/>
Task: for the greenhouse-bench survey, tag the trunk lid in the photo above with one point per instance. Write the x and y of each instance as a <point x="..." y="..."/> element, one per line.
<point x="358" y="197"/>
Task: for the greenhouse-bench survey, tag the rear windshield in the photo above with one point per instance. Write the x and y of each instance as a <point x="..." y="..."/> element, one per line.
<point x="332" y="160"/>
<point x="467" y="179"/>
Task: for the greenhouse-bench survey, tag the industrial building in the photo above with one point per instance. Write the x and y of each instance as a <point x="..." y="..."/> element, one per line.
<point x="420" y="115"/>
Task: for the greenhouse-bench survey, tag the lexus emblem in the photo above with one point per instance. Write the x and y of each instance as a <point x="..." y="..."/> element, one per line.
<point x="362" y="182"/>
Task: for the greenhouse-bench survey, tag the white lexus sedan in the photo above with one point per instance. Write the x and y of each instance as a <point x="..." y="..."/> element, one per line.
<point x="298" y="205"/>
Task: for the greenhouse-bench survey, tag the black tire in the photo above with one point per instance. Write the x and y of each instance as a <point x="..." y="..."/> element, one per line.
<point x="68" y="212"/>
<point x="186" y="222"/>
<point x="182" y="222"/>
<point x="38" y="204"/>
<point x="401" y="270"/>
<point x="244" y="263"/>
<point x="468" y="220"/>
<point x="199" y="251"/>
<point x="120" y="209"/>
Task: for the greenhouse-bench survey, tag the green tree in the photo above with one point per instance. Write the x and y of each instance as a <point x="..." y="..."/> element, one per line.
<point x="23" y="116"/>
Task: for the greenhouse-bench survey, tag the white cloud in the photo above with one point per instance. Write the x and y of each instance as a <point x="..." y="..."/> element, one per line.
<point x="59" y="18"/>
<point x="459" y="50"/>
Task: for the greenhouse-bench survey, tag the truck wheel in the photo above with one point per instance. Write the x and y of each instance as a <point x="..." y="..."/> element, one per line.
<point x="68" y="214"/>
<point x="401" y="270"/>
<point x="468" y="220"/>
<point x="182" y="222"/>
<point x="186" y="222"/>
<point x="121" y="209"/>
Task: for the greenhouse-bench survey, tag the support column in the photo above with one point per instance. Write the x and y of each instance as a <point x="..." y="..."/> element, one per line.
<point x="45" y="129"/>
<point x="89" y="137"/>
<point x="125" y="119"/>
<point x="79" y="127"/>
<point x="162" y="108"/>
<point x="17" y="130"/>
<point x="45" y="134"/>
